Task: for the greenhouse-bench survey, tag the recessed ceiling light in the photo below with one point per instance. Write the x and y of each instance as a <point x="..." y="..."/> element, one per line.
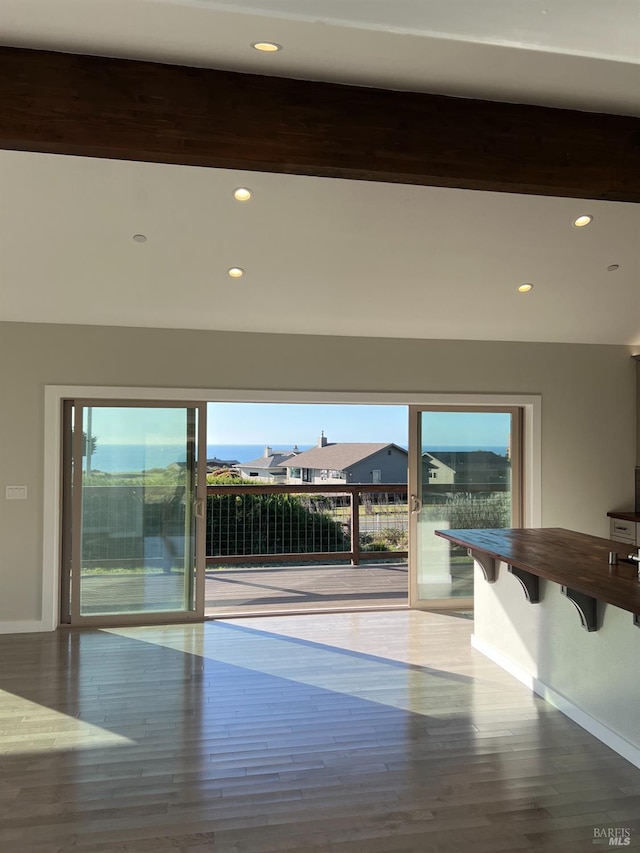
<point x="140" y="238"/>
<point x="266" y="46"/>
<point x="236" y="272"/>
<point x="584" y="219"/>
<point x="613" y="267"/>
<point x="242" y="194"/>
<point x="525" y="288"/>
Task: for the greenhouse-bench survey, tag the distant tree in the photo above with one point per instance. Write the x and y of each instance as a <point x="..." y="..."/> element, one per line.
<point x="93" y="444"/>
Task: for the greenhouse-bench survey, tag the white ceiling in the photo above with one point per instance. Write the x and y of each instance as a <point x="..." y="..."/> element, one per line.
<point x="582" y="54"/>
<point x="326" y="256"/>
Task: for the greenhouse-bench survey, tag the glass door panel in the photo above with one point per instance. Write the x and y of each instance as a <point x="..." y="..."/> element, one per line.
<point x="136" y="511"/>
<point x="465" y="473"/>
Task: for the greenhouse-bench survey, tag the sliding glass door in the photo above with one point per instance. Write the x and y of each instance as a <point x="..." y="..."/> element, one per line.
<point x="465" y="472"/>
<point x="136" y="497"/>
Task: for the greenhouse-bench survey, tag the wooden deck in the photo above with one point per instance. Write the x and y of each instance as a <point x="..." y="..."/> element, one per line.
<point x="303" y="588"/>
<point x="266" y="590"/>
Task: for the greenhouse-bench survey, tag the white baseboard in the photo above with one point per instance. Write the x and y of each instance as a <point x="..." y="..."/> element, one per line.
<point x="503" y="662"/>
<point x="26" y="626"/>
<point x="610" y="738"/>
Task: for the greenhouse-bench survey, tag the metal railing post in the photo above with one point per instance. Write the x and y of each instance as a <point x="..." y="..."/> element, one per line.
<point x="355" y="527"/>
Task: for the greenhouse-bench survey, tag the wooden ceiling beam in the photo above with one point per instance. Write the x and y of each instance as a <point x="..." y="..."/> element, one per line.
<point x="98" y="107"/>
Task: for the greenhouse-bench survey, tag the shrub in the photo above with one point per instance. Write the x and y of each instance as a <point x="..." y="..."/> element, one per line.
<point x="269" y="524"/>
<point x="387" y="539"/>
<point x="477" y="512"/>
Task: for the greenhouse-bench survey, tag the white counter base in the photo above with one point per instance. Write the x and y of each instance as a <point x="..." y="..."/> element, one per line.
<point x="594" y="727"/>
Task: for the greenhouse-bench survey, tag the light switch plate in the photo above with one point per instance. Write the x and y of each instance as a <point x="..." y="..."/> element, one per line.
<point x="15" y="493"/>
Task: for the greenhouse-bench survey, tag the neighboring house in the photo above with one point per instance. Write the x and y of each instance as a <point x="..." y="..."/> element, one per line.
<point x="268" y="468"/>
<point x="435" y="471"/>
<point x="349" y="462"/>
<point x="476" y="466"/>
<point x="216" y="464"/>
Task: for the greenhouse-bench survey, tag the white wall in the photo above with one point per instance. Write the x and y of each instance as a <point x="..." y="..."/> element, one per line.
<point x="594" y="677"/>
<point x="588" y="407"/>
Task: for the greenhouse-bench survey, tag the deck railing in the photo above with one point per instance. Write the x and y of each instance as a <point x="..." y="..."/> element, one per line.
<point x="129" y="527"/>
<point x="269" y="523"/>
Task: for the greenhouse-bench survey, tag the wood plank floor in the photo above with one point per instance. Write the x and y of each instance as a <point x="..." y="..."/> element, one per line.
<point x="343" y="733"/>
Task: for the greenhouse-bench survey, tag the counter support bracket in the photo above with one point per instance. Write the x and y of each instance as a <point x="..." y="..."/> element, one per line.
<point x="530" y="584"/>
<point x="586" y="606"/>
<point x="489" y="565"/>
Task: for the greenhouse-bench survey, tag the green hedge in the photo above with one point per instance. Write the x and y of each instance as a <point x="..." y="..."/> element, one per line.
<point x="269" y="524"/>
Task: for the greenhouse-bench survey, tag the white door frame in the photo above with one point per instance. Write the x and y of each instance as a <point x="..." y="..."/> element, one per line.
<point x="55" y="394"/>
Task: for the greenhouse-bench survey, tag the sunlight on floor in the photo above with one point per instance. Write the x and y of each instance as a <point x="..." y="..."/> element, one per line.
<point x="45" y="729"/>
<point x="331" y="653"/>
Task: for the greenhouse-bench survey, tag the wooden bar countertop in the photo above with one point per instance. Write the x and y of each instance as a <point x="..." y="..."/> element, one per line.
<point x="627" y="516"/>
<point x="571" y="559"/>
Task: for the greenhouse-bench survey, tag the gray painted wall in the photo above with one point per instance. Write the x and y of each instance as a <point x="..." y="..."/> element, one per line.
<point x="587" y="458"/>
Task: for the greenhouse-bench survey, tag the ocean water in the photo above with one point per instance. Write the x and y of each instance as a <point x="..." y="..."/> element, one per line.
<point x="135" y="457"/>
<point x="248" y="452"/>
<point x="113" y="458"/>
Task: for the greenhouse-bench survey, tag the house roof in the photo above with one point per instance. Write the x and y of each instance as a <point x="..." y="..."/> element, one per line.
<point x="221" y="463"/>
<point x="430" y="460"/>
<point x="275" y="460"/>
<point x="476" y="465"/>
<point x="340" y="455"/>
<point x="471" y="458"/>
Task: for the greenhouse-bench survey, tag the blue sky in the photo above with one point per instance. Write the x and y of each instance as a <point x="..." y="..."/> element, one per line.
<point x="286" y="424"/>
<point x="130" y="425"/>
<point x="466" y="429"/>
